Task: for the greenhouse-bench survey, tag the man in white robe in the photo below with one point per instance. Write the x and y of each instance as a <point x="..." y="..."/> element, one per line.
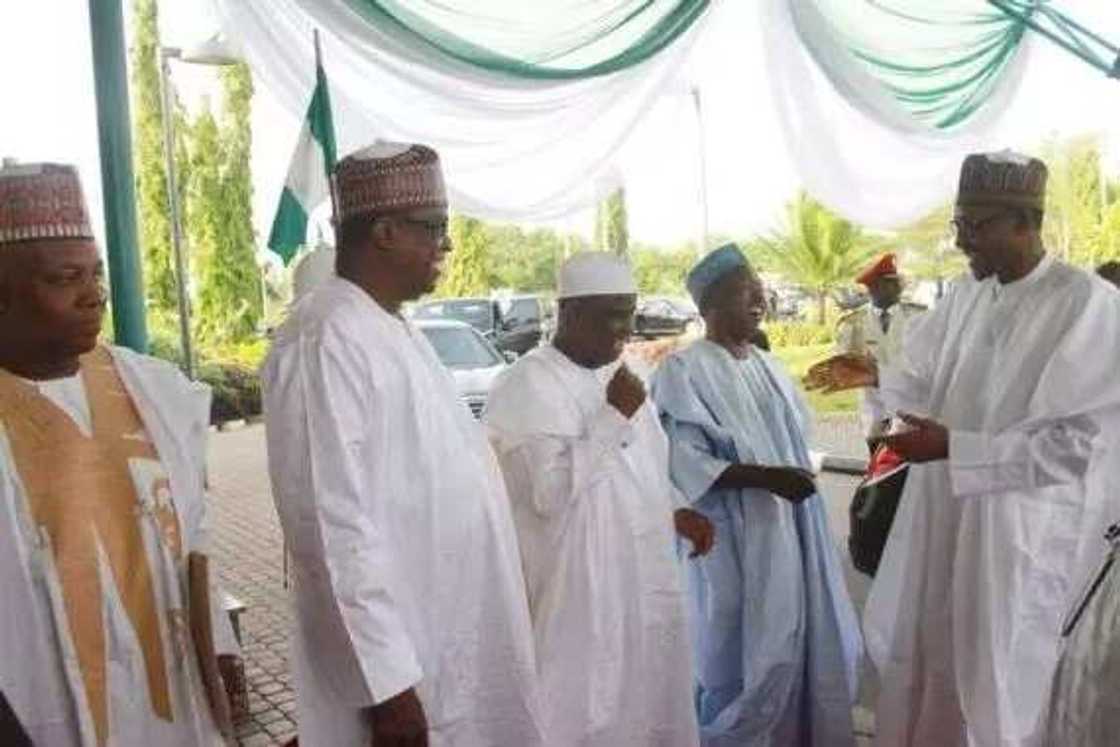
<point x="1013" y="478"/>
<point x="412" y="626"/>
<point x="776" y="637"/>
<point x="102" y="510"/>
<point x="587" y="467"/>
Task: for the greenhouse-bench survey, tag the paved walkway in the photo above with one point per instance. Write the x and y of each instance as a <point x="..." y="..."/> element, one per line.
<point x="248" y="551"/>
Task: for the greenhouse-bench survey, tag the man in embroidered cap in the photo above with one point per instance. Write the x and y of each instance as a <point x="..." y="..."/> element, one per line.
<point x="776" y="637"/>
<point x="587" y="468"/>
<point x="102" y="511"/>
<point x="877" y="330"/>
<point x="412" y="625"/>
<point x="1015" y="466"/>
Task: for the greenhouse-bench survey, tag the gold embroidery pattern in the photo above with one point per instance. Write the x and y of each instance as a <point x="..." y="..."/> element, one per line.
<point x="80" y="490"/>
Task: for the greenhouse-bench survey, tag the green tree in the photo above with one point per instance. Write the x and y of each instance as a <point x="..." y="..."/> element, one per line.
<point x="612" y="234"/>
<point x="817" y="249"/>
<point x="1072" y="228"/>
<point x="151" y="175"/>
<point x="927" y="248"/>
<point x="662" y="271"/>
<point x="466" y="272"/>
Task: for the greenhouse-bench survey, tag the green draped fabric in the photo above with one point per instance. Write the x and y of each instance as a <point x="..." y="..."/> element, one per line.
<point x="574" y="39"/>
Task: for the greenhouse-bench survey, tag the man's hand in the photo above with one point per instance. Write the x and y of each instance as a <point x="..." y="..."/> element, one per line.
<point x="399" y="722"/>
<point x="792" y="483"/>
<point x="842" y="372"/>
<point x="626" y="392"/>
<point x="925" y="441"/>
<point x="696" y="528"/>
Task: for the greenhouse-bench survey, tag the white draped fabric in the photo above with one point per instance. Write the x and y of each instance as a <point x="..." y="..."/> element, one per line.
<point x="857" y="149"/>
<point x="513" y="149"/>
<point x="529" y="148"/>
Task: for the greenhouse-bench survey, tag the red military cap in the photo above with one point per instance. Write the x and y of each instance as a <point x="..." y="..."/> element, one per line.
<point x="884" y="267"/>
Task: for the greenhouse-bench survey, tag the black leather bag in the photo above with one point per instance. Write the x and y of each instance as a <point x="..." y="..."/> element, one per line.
<point x="871" y="516"/>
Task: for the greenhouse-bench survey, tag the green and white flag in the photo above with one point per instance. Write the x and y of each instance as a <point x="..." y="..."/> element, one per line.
<point x="308" y="182"/>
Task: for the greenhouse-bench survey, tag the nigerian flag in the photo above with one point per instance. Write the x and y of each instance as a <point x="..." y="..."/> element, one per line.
<point x="308" y="182"/>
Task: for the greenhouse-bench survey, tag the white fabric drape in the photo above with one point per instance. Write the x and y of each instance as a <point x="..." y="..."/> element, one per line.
<point x="856" y="148"/>
<point x="513" y="149"/>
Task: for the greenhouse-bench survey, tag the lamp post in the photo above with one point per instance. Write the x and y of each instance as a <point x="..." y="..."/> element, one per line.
<point x="211" y="52"/>
<point x="695" y="93"/>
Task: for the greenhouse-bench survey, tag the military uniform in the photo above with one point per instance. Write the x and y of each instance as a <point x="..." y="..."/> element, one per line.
<point x="879" y="333"/>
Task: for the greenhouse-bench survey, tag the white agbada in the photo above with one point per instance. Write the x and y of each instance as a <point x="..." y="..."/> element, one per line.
<point x="40" y="673"/>
<point x="989" y="548"/>
<point x="404" y="557"/>
<point x="593" y="504"/>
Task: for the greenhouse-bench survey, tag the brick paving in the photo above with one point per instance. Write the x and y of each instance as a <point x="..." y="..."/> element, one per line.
<point x="248" y="551"/>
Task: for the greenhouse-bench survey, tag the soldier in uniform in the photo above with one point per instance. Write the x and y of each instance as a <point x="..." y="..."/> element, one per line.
<point x="877" y="330"/>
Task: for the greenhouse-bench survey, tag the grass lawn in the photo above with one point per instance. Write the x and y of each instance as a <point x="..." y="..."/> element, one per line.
<point x="797" y="361"/>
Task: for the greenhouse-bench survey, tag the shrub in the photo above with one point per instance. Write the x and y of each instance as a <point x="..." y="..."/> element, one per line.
<point x="799" y="334"/>
<point x="236" y="390"/>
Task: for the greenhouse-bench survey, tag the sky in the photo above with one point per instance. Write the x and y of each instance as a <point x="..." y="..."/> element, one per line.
<point x="49" y="114"/>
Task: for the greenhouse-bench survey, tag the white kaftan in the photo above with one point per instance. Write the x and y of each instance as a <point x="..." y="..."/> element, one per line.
<point x="404" y="556"/>
<point x="989" y="548"/>
<point x="159" y="519"/>
<point x="594" y="505"/>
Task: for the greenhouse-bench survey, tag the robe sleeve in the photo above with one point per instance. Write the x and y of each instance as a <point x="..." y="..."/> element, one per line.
<point x="1055" y="453"/>
<point x="692" y="461"/>
<point x="696" y="461"/>
<point x="354" y="557"/>
<point x="554" y="471"/>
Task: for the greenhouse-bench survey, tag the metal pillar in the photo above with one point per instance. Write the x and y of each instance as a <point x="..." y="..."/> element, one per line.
<point x="701" y="150"/>
<point x="110" y="77"/>
<point x="167" y="115"/>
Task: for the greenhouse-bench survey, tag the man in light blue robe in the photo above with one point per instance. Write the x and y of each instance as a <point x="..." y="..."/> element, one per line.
<point x="777" y="639"/>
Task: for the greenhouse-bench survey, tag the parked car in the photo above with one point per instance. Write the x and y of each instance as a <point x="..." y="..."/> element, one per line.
<point x="474" y="362"/>
<point x="481" y="313"/>
<point x="516" y="324"/>
<point x="665" y="317"/>
<point x="525" y="321"/>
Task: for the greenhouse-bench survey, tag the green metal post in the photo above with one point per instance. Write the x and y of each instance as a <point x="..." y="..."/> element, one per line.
<point x="110" y="76"/>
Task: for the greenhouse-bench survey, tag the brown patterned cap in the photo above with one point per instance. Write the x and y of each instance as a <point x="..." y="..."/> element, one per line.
<point x="389" y="177"/>
<point x="41" y="201"/>
<point x="1004" y="178"/>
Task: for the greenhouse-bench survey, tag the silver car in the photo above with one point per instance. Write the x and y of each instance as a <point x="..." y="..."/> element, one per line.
<point x="473" y="361"/>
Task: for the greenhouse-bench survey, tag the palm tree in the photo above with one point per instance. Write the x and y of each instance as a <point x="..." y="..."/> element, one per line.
<point x="817" y="250"/>
<point x="928" y="249"/>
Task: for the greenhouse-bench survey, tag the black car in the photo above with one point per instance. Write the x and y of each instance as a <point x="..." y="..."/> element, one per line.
<point x="664" y="317"/>
<point x="525" y="320"/>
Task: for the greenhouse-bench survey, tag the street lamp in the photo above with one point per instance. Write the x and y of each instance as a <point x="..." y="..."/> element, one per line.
<point x="213" y="51"/>
<point x="694" y="91"/>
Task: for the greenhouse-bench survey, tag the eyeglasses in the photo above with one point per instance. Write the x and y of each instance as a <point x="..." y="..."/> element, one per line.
<point x="973" y="226"/>
<point x="435" y="228"/>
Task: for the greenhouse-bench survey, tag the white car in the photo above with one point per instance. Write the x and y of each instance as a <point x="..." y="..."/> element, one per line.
<point x="474" y="362"/>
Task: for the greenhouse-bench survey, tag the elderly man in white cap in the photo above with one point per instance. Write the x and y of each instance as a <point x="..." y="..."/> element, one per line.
<point x="104" y="640"/>
<point x="1011" y="400"/>
<point x="588" y="473"/>
<point x="412" y="626"/>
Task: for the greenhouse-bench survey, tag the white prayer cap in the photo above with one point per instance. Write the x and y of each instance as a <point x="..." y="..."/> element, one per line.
<point x="596" y="274"/>
<point x="312" y="270"/>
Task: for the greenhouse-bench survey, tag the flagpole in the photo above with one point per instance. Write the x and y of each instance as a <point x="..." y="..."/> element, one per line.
<point x="330" y="177"/>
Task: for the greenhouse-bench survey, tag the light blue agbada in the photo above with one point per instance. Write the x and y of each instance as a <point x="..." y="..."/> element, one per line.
<point x="776" y="637"/>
